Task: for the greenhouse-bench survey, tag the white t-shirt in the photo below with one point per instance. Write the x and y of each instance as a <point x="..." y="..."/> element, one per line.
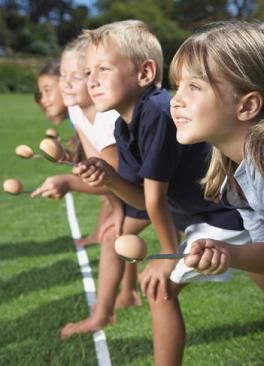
<point x="101" y="132"/>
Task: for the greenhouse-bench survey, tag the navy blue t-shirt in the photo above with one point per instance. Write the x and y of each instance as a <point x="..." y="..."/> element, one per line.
<point x="148" y="149"/>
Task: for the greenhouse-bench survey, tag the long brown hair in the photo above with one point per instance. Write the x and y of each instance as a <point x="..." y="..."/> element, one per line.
<point x="237" y="48"/>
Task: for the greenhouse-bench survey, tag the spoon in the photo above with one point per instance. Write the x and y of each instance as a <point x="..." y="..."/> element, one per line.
<point x="154" y="256"/>
<point x="18" y="194"/>
<point x="51" y="133"/>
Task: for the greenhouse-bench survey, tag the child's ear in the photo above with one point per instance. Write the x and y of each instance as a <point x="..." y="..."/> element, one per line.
<point x="250" y="106"/>
<point x="147" y="72"/>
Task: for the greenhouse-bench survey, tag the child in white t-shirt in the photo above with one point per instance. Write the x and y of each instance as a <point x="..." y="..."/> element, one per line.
<point x="96" y="135"/>
<point x="100" y="131"/>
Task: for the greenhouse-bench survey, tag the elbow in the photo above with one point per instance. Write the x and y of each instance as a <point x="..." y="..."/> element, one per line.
<point x="140" y="205"/>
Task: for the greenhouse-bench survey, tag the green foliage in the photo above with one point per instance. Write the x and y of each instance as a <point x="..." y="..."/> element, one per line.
<point x="16" y="78"/>
<point x="43" y="27"/>
<point x="170" y="34"/>
<point x="43" y="40"/>
<point x="5" y="33"/>
<point x="191" y="14"/>
<point x="71" y="26"/>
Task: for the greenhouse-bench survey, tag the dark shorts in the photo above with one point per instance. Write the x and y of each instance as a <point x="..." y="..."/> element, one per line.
<point x="134" y="212"/>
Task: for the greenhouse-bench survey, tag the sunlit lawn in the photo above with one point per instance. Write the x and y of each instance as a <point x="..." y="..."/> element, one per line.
<point x="41" y="286"/>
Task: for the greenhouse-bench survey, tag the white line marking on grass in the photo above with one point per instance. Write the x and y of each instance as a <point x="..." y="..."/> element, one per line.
<point x="99" y="338"/>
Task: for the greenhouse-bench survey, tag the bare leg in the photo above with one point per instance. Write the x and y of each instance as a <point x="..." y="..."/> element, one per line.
<point x="105" y="211"/>
<point x="128" y="296"/>
<point x="111" y="269"/>
<point x="168" y="328"/>
<point x="168" y="323"/>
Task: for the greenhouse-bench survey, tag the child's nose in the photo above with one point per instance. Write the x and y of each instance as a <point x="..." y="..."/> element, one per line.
<point x="173" y="102"/>
<point x="66" y="83"/>
<point x="44" y="100"/>
<point x="92" y="80"/>
<point x="176" y="101"/>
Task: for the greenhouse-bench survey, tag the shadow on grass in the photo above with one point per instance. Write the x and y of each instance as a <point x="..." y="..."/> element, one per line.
<point x="60" y="273"/>
<point x="32" y="249"/>
<point x="226" y="331"/>
<point x="34" y="339"/>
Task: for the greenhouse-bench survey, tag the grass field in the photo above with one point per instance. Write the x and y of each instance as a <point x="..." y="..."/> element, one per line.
<point x="41" y="286"/>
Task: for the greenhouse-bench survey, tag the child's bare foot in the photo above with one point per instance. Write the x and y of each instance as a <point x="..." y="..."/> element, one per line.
<point x="86" y="240"/>
<point x="91" y="324"/>
<point x="124" y="300"/>
<point x="83" y="326"/>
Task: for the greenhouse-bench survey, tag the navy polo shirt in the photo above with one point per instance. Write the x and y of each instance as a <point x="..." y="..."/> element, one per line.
<point x="148" y="148"/>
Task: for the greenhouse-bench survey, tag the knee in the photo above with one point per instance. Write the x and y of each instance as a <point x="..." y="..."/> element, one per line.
<point x="174" y="290"/>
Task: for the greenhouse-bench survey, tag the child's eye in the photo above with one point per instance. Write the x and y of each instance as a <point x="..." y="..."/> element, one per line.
<point x="104" y="68"/>
<point x="87" y="73"/>
<point x="195" y="87"/>
<point x="79" y="77"/>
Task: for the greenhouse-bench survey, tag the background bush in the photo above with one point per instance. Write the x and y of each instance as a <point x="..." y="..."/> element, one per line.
<point x="42" y="28"/>
<point x="18" y="76"/>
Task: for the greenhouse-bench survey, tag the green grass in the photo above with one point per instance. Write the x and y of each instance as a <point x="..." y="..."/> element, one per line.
<point x="41" y="286"/>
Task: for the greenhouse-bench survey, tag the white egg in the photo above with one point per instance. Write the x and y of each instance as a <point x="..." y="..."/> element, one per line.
<point x="52" y="148"/>
<point x="24" y="151"/>
<point x="131" y="246"/>
<point x="12" y="186"/>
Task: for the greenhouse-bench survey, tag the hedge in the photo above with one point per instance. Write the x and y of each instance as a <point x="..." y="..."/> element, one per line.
<point x="15" y="77"/>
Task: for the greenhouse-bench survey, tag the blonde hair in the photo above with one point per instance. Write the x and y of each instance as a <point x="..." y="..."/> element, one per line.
<point x="77" y="46"/>
<point x="237" y="50"/>
<point x="134" y="40"/>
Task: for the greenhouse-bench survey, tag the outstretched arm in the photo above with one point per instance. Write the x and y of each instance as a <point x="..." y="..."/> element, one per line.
<point x="57" y="186"/>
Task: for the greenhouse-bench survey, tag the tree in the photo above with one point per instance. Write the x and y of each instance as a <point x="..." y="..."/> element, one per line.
<point x="46" y="10"/>
<point x="40" y="26"/>
<point x="260" y="10"/>
<point x="192" y="13"/>
<point x="242" y="9"/>
<point x="78" y="18"/>
<point x="168" y="32"/>
<point x="5" y="33"/>
<point x="43" y="40"/>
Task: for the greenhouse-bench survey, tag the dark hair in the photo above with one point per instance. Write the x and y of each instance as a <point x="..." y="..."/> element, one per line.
<point x="52" y="68"/>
